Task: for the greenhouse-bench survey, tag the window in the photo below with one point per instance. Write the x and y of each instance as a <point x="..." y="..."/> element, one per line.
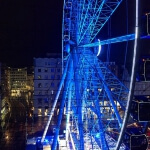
<point x="39" y="92"/>
<point x="52" y="92"/>
<point x="46" y="100"/>
<point x="39" y="76"/>
<point x="39" y="111"/>
<point x="46" y="84"/>
<point x="52" y="70"/>
<point x="58" y="84"/>
<point x="46" y="92"/>
<point x="52" y="77"/>
<point x="52" y="84"/>
<point x="58" y="77"/>
<point x="39" y="70"/>
<point x="46" y="76"/>
<point x="40" y="101"/>
<point x="39" y="85"/>
<point x="58" y="70"/>
<point x="46" y="70"/>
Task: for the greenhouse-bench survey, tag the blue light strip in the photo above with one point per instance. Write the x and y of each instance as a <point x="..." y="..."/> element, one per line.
<point x="111" y="41"/>
<point x="68" y="111"/>
<point x="62" y="103"/>
<point x="124" y="38"/>
<point x="133" y="76"/>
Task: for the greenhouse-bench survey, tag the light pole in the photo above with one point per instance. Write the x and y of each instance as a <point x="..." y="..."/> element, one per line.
<point x="26" y="125"/>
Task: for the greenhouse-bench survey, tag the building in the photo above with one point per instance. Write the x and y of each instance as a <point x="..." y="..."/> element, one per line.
<point x="47" y="76"/>
<point x="4" y="93"/>
<point x="30" y="83"/>
<point x="18" y="81"/>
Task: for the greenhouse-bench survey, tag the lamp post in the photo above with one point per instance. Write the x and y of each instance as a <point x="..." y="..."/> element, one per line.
<point x="26" y="125"/>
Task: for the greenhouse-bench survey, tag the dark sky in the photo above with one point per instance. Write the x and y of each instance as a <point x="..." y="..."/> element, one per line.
<point x="30" y="28"/>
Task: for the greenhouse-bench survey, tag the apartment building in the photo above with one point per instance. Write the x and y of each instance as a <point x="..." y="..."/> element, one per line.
<point x="47" y="76"/>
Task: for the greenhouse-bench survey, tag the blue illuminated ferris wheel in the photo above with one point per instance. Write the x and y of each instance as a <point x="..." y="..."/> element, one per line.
<point x="94" y="100"/>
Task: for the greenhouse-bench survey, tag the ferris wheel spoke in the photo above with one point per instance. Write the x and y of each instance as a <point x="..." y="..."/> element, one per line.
<point x="108" y="9"/>
<point x="92" y="14"/>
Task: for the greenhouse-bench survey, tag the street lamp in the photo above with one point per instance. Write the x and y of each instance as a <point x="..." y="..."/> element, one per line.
<point x="26" y="125"/>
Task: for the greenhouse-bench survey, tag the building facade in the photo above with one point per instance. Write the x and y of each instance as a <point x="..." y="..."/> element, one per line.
<point x="47" y="76"/>
<point x="18" y="81"/>
<point x="4" y="93"/>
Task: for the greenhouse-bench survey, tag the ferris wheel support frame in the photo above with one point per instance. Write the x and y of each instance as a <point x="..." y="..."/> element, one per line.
<point x="78" y="98"/>
<point x="66" y="85"/>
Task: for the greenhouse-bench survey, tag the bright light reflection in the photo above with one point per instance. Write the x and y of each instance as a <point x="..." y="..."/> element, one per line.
<point x="99" y="47"/>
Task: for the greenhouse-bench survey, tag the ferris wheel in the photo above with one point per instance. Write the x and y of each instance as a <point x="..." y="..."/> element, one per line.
<point x="95" y="101"/>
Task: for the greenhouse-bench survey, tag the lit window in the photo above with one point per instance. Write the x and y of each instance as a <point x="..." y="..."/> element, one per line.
<point x="39" y="112"/>
<point x="39" y="76"/>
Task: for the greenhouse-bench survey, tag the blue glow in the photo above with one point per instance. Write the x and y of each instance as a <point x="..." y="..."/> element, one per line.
<point x="97" y="135"/>
<point x="112" y="40"/>
<point x="46" y="140"/>
<point x="67" y="48"/>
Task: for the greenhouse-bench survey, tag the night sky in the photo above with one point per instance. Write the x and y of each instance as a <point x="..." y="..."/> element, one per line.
<point x="31" y="28"/>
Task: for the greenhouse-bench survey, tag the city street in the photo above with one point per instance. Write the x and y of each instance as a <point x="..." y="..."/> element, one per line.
<point x="23" y="126"/>
<point x="13" y="137"/>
